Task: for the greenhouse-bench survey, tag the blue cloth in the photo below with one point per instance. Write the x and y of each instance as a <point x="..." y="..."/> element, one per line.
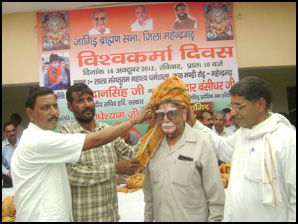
<point x="7" y="151"/>
<point x="60" y="86"/>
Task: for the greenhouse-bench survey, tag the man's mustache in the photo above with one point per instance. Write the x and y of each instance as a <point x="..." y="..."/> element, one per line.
<point x="54" y="118"/>
<point x="167" y="125"/>
<point x="88" y="109"/>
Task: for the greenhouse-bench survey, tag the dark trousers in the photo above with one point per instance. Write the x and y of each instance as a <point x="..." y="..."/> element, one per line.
<point x="7" y="182"/>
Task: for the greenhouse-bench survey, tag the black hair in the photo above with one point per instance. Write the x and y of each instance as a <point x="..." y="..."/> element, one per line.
<point x="61" y="59"/>
<point x="199" y="115"/>
<point x="53" y="57"/>
<point x="77" y="87"/>
<point x="226" y="110"/>
<point x="7" y="124"/>
<point x="17" y="117"/>
<point x="34" y="93"/>
<point x="180" y="5"/>
<point x="253" y="88"/>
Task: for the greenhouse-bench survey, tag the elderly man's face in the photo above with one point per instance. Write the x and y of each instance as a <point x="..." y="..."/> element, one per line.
<point x="100" y="21"/>
<point x="175" y="126"/>
<point x="141" y="14"/>
<point x="182" y="12"/>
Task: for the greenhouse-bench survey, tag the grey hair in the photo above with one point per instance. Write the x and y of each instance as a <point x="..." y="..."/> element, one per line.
<point x="220" y="113"/>
<point x="144" y="7"/>
<point x="99" y="10"/>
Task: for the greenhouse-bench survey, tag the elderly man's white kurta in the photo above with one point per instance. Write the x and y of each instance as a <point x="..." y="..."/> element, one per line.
<point x="179" y="190"/>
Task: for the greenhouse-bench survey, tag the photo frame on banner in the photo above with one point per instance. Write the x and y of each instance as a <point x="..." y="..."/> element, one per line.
<point x="122" y="53"/>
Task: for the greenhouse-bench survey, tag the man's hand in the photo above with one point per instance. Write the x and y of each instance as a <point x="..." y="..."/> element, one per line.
<point x="142" y="115"/>
<point x="118" y="180"/>
<point x="9" y="175"/>
<point x="127" y="166"/>
<point x="191" y="119"/>
<point x="151" y="120"/>
<point x="59" y="79"/>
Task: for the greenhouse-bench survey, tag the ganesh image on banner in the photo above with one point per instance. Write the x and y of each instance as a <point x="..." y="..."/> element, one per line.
<point x="218" y="21"/>
<point x="55" y="31"/>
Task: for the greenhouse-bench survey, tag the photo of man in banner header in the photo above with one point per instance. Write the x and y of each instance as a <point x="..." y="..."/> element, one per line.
<point x="184" y="20"/>
<point x="143" y="21"/>
<point x="99" y="22"/>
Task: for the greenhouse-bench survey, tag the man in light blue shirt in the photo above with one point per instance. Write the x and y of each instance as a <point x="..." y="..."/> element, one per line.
<point x="9" y="144"/>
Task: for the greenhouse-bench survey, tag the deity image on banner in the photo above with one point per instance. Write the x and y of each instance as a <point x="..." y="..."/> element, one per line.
<point x="55" y="31"/>
<point x="218" y="21"/>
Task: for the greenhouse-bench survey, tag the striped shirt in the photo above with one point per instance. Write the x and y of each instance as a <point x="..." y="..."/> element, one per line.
<point x="93" y="178"/>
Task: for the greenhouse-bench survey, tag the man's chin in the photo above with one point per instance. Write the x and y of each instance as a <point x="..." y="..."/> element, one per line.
<point x="86" y="120"/>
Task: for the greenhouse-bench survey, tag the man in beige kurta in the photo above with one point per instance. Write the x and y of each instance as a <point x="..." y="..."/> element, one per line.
<point x="182" y="178"/>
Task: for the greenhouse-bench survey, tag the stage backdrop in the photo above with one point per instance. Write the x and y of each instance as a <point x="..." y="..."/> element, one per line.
<point x="125" y="64"/>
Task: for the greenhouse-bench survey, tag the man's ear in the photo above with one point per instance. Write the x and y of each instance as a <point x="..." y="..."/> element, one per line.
<point x="262" y="104"/>
<point x="184" y="111"/>
<point x="29" y="113"/>
<point x="69" y="107"/>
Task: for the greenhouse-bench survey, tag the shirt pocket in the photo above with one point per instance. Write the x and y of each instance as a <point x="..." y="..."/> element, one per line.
<point x="181" y="172"/>
<point x="253" y="169"/>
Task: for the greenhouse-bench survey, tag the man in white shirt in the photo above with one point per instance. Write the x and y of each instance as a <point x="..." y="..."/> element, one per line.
<point x="143" y="21"/>
<point x="40" y="181"/>
<point x="99" y="22"/>
<point x="219" y="121"/>
<point x="262" y="183"/>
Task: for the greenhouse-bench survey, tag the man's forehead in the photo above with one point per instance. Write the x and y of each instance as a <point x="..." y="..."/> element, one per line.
<point x="238" y="99"/>
<point x="181" y="7"/>
<point x="43" y="99"/>
<point x="206" y="114"/>
<point x="99" y="15"/>
<point x="140" y="9"/>
<point x="10" y="127"/>
<point x="81" y="94"/>
<point x="219" y="117"/>
<point x="164" y="109"/>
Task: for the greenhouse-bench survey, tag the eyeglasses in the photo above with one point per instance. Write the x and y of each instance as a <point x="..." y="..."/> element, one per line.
<point x="172" y="115"/>
<point x="236" y="106"/>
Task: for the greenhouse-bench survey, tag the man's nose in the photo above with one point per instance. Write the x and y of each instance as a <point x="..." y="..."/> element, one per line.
<point x="233" y="112"/>
<point x="87" y="103"/>
<point x="166" y="118"/>
<point x="54" y="110"/>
